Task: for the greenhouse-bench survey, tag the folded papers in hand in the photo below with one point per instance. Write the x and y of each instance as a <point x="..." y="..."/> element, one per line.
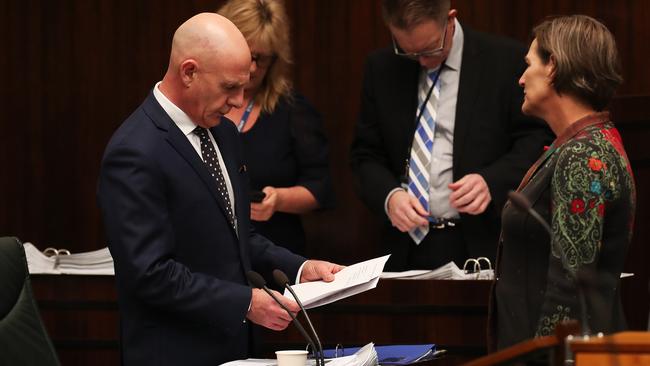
<point x="351" y="280"/>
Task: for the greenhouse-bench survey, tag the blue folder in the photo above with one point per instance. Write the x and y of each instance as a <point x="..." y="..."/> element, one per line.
<point x="393" y="354"/>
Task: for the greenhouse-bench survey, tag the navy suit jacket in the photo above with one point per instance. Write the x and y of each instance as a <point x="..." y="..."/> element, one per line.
<point x="180" y="267"/>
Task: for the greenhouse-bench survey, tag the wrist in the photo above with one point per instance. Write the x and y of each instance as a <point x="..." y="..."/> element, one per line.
<point x="391" y="195"/>
<point x="280" y="195"/>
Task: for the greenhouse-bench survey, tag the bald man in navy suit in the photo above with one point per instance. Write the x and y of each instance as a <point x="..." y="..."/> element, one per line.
<point x="173" y="191"/>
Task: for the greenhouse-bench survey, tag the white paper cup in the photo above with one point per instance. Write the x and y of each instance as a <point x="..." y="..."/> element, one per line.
<point x="291" y="358"/>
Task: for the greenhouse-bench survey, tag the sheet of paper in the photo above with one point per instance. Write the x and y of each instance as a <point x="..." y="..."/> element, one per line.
<point x="274" y="362"/>
<point x="404" y="274"/>
<point x="252" y="362"/>
<point x="349" y="281"/>
<point x="344" y="293"/>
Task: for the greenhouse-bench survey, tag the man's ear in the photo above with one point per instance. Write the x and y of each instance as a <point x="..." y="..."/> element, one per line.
<point x="188" y="71"/>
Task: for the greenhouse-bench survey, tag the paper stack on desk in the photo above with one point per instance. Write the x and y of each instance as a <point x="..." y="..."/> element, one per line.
<point x="365" y="356"/>
<point x="349" y="281"/>
<point x="449" y="271"/>
<point x="398" y="355"/>
<point x="61" y="261"/>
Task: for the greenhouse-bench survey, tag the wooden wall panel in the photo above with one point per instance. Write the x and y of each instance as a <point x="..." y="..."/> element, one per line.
<point x="74" y="69"/>
<point x="633" y="120"/>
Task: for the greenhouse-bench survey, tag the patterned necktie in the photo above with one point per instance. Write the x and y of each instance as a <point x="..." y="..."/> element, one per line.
<point x="212" y="163"/>
<point x="420" y="160"/>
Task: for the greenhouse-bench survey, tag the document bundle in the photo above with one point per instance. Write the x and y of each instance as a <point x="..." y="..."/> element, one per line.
<point x="61" y="261"/>
<point x="473" y="269"/>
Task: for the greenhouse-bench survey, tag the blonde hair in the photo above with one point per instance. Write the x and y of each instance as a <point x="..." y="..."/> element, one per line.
<point x="585" y="55"/>
<point x="264" y="22"/>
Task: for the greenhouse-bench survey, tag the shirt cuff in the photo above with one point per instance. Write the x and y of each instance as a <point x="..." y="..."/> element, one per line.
<point x="249" y="307"/>
<point x="297" y="281"/>
<point x="390" y="194"/>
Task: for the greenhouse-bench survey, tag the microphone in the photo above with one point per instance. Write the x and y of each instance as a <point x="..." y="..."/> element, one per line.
<point x="258" y="282"/>
<point x="282" y="280"/>
<point x="580" y="279"/>
<point x="523" y="204"/>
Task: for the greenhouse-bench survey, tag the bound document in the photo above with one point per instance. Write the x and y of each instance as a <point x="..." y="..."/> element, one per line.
<point x="473" y="269"/>
<point x="61" y="261"/>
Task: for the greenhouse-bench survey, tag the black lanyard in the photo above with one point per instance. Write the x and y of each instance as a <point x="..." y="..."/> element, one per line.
<point x="411" y="137"/>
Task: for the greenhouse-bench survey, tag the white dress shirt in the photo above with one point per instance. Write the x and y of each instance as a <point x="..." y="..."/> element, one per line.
<point x="441" y="167"/>
<point x="185" y="124"/>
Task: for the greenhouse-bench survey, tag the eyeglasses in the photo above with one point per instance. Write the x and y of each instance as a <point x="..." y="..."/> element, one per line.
<point x="263" y="60"/>
<point x="416" y="55"/>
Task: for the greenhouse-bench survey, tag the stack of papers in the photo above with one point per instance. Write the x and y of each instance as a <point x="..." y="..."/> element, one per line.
<point x="349" y="281"/>
<point x="394" y="354"/>
<point x="98" y="262"/>
<point x="449" y="271"/>
<point x="365" y="356"/>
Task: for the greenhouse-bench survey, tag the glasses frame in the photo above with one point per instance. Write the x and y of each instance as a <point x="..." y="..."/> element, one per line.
<point x="430" y="53"/>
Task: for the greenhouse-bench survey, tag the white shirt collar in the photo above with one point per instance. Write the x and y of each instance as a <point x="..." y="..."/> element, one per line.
<point x="455" y="56"/>
<point x="180" y="118"/>
<point x="456" y="53"/>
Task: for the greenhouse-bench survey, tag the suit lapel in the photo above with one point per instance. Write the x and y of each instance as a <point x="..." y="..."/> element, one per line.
<point x="181" y="144"/>
<point x="406" y="104"/>
<point x="468" y="90"/>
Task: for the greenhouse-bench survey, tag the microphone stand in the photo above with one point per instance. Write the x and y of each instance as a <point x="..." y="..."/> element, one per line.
<point x="258" y="282"/>
<point x="282" y="280"/>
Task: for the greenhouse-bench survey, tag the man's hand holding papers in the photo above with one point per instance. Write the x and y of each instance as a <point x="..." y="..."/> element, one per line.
<point x="348" y="281"/>
<point x="315" y="270"/>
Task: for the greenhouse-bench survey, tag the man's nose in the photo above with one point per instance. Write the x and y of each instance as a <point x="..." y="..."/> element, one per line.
<point x="237" y="101"/>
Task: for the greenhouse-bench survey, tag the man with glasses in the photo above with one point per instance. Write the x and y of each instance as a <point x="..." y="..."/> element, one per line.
<point x="441" y="138"/>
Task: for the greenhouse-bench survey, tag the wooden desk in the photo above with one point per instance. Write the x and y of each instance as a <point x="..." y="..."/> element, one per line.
<point x="80" y="314"/>
<point x="451" y="314"/>
<point x="622" y="349"/>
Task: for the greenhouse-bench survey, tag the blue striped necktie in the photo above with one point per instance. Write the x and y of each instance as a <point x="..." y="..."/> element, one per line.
<point x="420" y="159"/>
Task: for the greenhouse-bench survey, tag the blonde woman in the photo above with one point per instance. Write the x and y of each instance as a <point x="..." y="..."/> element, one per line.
<point x="282" y="134"/>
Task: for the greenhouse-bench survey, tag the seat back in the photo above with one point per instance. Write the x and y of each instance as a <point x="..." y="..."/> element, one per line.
<point x="23" y="338"/>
